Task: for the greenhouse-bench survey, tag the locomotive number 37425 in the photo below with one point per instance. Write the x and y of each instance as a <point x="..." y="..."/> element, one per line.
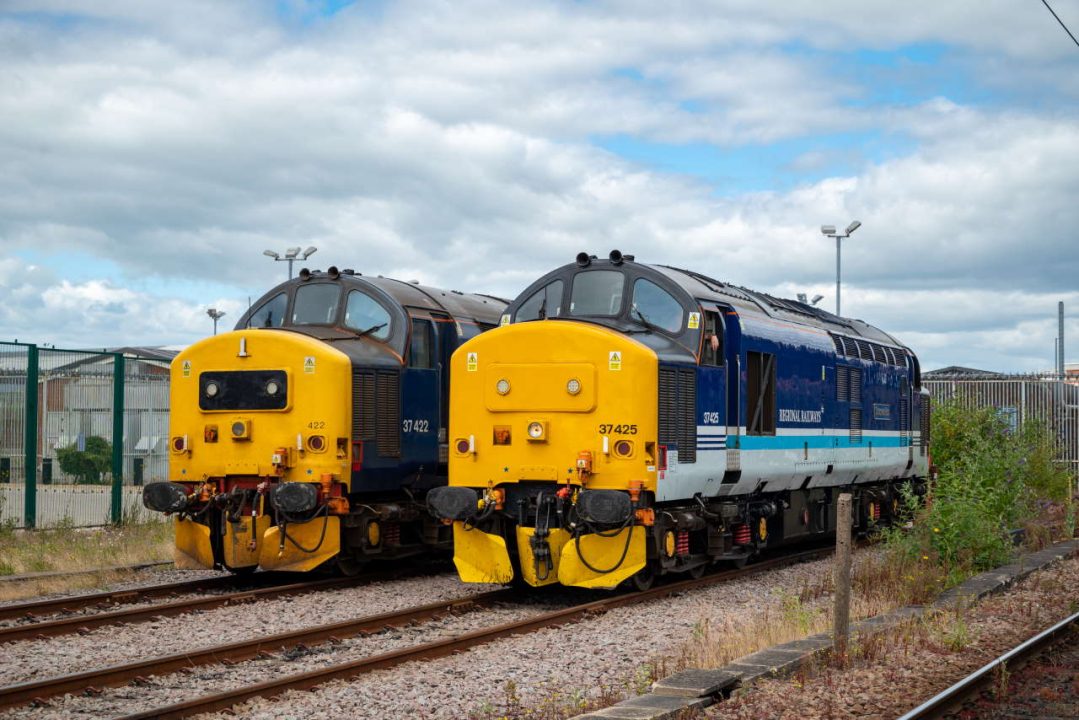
<point x="620" y="429"/>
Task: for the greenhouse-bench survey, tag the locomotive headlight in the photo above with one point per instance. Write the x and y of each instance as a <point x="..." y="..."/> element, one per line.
<point x="272" y="388"/>
<point x="537" y="430"/>
<point x="502" y="386"/>
<point x="211" y="389"/>
<point x="573" y="386"/>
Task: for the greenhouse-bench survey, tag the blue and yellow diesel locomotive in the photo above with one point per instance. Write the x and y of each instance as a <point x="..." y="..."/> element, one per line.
<point x="313" y="431"/>
<point x="631" y="420"/>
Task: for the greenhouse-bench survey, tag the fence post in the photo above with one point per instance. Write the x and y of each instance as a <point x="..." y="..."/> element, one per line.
<point x="117" y="510"/>
<point x="841" y="634"/>
<point x="30" y="437"/>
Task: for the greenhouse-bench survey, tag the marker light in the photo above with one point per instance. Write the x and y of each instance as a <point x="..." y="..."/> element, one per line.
<point x="211" y="389"/>
<point x="573" y="386"/>
<point x="272" y="388"/>
<point x="535" y="430"/>
<point x="503" y="386"/>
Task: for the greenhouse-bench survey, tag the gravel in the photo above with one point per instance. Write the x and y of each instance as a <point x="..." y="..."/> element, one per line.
<point x="38" y="659"/>
<point x="888" y="675"/>
<point x="604" y="654"/>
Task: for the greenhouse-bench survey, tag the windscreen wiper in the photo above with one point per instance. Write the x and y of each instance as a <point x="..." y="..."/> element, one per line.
<point x="649" y="325"/>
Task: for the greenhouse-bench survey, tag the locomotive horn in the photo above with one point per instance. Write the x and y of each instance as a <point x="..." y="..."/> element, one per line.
<point x="616" y="257"/>
<point x="305" y="275"/>
<point x="583" y="259"/>
<point x="333" y="272"/>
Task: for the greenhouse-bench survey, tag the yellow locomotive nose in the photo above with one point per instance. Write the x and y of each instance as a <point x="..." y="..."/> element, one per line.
<point x="538" y="435"/>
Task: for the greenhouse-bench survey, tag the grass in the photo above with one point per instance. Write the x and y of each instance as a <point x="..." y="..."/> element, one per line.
<point x="77" y="549"/>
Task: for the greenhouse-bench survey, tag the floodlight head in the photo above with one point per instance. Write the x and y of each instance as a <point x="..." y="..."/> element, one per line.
<point x="802" y="298"/>
<point x="270" y="253"/>
<point x="292" y="252"/>
<point x="827" y="229"/>
<point x="816" y="299"/>
<point x="309" y="252"/>
<point x="853" y="226"/>
<point x="215" y="313"/>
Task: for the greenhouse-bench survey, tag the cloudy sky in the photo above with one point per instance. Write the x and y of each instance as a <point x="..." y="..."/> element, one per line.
<point x="150" y="151"/>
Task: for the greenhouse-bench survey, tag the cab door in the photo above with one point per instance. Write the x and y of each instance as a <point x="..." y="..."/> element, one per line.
<point x="712" y="392"/>
<point x="421" y="401"/>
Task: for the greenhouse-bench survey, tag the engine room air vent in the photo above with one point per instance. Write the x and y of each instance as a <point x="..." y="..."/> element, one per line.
<point x="678" y="411"/>
<point x="855" y="425"/>
<point x="376" y="409"/>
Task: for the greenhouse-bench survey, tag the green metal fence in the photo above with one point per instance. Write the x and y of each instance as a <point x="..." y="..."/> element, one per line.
<point x="80" y="432"/>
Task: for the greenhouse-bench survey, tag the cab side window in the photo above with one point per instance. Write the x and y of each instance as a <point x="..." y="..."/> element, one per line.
<point x="544" y="303"/>
<point x="712" y="342"/>
<point x="270" y="314"/>
<point x="421" y="350"/>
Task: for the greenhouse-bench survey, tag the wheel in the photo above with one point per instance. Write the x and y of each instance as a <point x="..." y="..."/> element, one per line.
<point x="740" y="562"/>
<point x="644" y="578"/>
<point x="697" y="571"/>
<point x="349" y="567"/>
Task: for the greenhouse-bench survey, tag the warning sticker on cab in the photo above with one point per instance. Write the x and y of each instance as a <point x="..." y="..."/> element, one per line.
<point x="614" y="360"/>
<point x="505" y="319"/>
<point x="473" y="361"/>
<point x="187" y="368"/>
<point x="309" y="364"/>
<point x="694" y="321"/>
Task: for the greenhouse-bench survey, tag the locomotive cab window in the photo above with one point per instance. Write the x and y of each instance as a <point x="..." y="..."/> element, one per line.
<point x="270" y="314"/>
<point x="597" y="292"/>
<point x="315" y="304"/>
<point x="761" y="393"/>
<point x="421" y="351"/>
<point x="712" y="342"/>
<point x="655" y="306"/>
<point x="544" y="303"/>
<point x="365" y="315"/>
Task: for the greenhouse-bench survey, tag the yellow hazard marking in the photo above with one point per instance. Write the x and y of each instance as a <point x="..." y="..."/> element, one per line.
<point x="480" y="557"/>
<point x="187" y="368"/>
<point x="473" y="361"/>
<point x="614" y="360"/>
<point x="694" y="320"/>
<point x="309" y="364"/>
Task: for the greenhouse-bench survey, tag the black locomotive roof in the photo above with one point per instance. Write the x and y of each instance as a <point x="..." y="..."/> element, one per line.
<point x="702" y="288"/>
<point x="396" y="297"/>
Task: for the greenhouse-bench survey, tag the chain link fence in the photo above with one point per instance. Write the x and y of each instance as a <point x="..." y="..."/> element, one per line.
<point x="1050" y="400"/>
<point x="80" y="432"/>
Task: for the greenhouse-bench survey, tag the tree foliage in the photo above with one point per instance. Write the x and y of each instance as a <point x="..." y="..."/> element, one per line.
<point x="87" y="466"/>
<point x="991" y="480"/>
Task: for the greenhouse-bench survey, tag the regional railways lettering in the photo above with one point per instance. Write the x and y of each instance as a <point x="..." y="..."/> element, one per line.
<point x="802" y="416"/>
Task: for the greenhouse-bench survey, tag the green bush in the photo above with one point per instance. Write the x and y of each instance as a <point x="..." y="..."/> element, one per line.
<point x="87" y="466"/>
<point x="990" y="481"/>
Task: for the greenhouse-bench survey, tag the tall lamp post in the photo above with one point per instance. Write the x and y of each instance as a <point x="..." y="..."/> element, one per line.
<point x="829" y="230"/>
<point x="215" y="315"/>
<point x="291" y="255"/>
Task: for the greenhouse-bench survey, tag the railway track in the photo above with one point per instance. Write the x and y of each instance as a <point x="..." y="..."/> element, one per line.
<point x="988" y="675"/>
<point x="93" y="681"/>
<point x="272" y="585"/>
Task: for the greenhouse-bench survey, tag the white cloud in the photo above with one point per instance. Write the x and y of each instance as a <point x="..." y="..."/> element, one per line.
<point x="451" y="143"/>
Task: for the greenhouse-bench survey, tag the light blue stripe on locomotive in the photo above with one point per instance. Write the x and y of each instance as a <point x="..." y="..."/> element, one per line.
<point x="799" y="442"/>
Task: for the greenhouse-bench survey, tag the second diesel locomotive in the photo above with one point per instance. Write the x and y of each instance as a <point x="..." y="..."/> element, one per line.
<point x="311" y="433"/>
<point x="632" y="420"/>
